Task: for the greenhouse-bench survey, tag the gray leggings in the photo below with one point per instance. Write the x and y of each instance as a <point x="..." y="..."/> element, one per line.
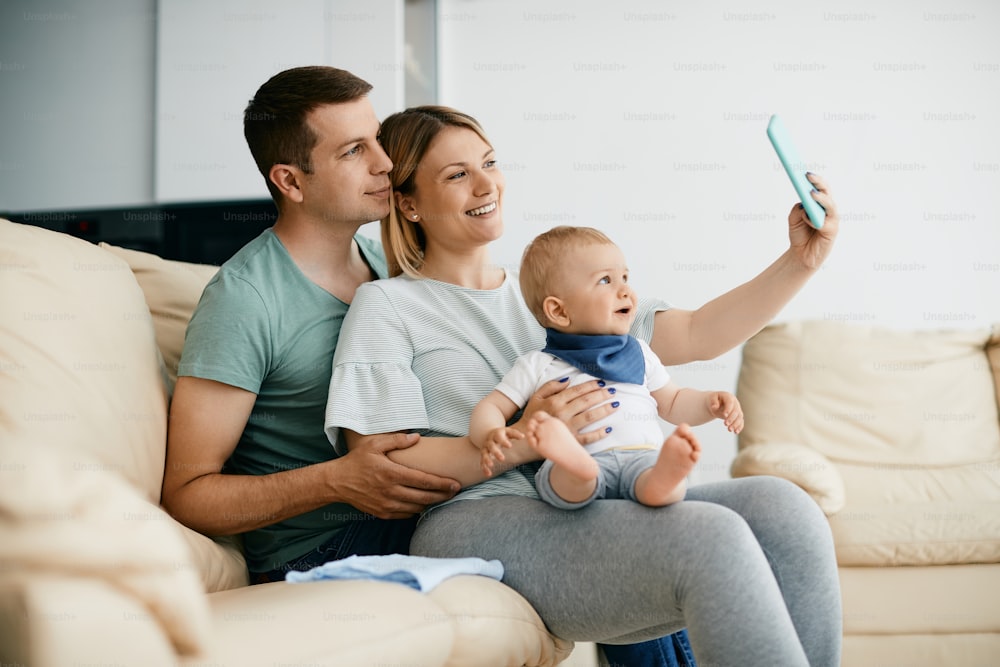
<point x="747" y="565"/>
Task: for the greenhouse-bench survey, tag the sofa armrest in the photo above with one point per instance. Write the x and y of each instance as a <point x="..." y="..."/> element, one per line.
<point x="806" y="467"/>
<point x="49" y="619"/>
<point x="495" y="626"/>
<point x="219" y="561"/>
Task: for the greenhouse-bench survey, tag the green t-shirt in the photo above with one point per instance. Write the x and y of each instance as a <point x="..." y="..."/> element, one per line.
<point x="263" y="326"/>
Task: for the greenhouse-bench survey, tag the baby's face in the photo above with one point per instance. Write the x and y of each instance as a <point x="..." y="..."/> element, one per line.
<point x="595" y="292"/>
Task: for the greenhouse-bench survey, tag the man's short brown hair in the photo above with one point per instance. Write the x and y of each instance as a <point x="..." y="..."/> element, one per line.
<point x="275" y="121"/>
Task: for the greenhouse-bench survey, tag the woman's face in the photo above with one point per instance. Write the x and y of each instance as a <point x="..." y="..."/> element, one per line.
<point x="458" y="192"/>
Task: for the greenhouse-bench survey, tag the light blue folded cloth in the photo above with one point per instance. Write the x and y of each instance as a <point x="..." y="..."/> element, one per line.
<point x="416" y="572"/>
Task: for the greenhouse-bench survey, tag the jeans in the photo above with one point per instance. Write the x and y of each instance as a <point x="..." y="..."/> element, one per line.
<point x="363" y="537"/>
<point x="670" y="651"/>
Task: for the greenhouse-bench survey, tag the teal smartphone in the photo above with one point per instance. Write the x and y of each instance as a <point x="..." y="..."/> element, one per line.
<point x="796" y="169"/>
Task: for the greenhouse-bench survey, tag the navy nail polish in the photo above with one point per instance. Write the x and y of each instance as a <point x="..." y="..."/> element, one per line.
<point x="612" y="390"/>
<point x="564" y="380"/>
<point x="615" y="404"/>
<point x="600" y="383"/>
<point x="607" y="430"/>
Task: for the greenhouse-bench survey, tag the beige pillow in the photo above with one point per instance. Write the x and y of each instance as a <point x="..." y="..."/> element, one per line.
<point x="806" y="467"/>
<point x="172" y="291"/>
<point x="78" y="357"/>
<point x="867" y="394"/>
<point x="58" y="518"/>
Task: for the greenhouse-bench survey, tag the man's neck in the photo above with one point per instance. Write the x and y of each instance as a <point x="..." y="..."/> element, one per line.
<point x="325" y="253"/>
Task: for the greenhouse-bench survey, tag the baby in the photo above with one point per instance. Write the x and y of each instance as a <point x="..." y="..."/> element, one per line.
<point x="575" y="281"/>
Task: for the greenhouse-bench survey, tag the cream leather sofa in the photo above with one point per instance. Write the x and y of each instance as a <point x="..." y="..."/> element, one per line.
<point x="92" y="571"/>
<point x="896" y="436"/>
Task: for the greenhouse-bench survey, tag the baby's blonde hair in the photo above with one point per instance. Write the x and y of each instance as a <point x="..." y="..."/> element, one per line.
<point x="543" y="259"/>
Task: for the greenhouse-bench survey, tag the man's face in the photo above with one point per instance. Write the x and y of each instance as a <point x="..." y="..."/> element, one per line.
<point x="350" y="171"/>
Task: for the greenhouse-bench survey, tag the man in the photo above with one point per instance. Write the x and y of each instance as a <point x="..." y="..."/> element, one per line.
<point x="246" y="451"/>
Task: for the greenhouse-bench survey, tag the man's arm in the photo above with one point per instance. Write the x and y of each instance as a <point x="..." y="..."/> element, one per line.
<point x="683" y="336"/>
<point x="206" y="421"/>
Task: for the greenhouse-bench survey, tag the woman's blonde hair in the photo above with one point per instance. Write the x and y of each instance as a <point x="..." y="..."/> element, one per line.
<point x="545" y="256"/>
<point x="405" y="137"/>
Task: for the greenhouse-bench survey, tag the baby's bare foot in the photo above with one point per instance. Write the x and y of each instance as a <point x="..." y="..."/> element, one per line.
<point x="551" y="438"/>
<point x="664" y="482"/>
<point x="681" y="450"/>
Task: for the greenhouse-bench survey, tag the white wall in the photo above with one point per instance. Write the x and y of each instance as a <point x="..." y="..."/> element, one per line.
<point x="213" y="56"/>
<point x="76" y="104"/>
<point x="136" y="102"/>
<point x="647" y="119"/>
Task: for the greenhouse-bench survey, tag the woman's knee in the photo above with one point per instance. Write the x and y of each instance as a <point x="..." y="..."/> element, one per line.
<point x="698" y="530"/>
<point x="784" y="517"/>
<point x="771" y="499"/>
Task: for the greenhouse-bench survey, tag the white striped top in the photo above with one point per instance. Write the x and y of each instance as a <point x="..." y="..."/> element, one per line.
<point x="419" y="354"/>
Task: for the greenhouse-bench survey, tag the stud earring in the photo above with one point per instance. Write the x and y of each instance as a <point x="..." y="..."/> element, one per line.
<point x="414" y="217"/>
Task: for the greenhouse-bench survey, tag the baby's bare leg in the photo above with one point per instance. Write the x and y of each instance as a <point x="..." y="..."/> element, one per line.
<point x="664" y="484"/>
<point x="574" y="471"/>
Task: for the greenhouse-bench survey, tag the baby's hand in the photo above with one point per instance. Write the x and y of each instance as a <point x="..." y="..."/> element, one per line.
<point x="498" y="440"/>
<point x="725" y="406"/>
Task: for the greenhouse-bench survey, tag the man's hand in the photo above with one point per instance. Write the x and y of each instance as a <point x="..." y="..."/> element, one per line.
<point x="368" y="480"/>
<point x="723" y="405"/>
<point x="578" y="406"/>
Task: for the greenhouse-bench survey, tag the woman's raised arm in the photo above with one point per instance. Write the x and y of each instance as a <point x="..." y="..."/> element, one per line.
<point x="683" y="336"/>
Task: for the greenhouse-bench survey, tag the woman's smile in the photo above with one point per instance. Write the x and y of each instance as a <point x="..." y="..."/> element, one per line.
<point x="482" y="210"/>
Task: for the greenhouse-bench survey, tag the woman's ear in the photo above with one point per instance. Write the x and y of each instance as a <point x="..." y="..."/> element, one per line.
<point x="407" y="206"/>
<point x="288" y="181"/>
<point x="555" y="312"/>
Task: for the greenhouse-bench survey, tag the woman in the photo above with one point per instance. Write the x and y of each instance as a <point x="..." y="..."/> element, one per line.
<point x="746" y="565"/>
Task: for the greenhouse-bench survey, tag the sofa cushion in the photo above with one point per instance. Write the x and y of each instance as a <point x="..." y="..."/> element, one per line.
<point x="918" y="600"/>
<point x="806" y="467"/>
<point x="219" y="560"/>
<point x="51" y="619"/>
<point x="327" y="623"/>
<point x="59" y="521"/>
<point x="918" y="515"/>
<point x="172" y="291"/>
<point x="873" y="395"/>
<point x="908" y="420"/>
<point x="79" y="360"/>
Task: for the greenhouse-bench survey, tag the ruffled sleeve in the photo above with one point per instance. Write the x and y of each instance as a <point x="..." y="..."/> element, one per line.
<point x="642" y="327"/>
<point x="372" y="387"/>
